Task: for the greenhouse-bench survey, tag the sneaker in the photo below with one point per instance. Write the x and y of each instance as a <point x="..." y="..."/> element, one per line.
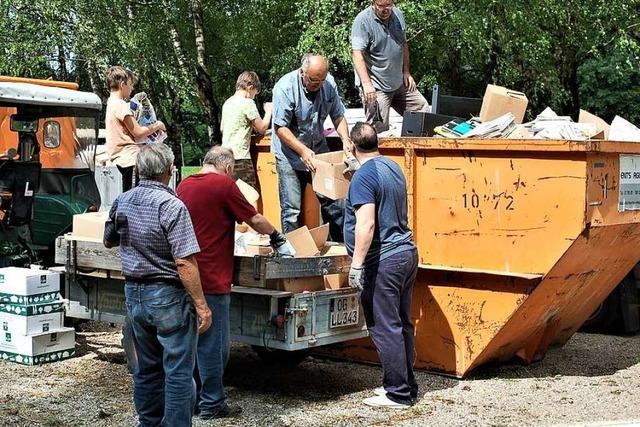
<point x="229" y="411"/>
<point x="380" y="391"/>
<point x="384" y="402"/>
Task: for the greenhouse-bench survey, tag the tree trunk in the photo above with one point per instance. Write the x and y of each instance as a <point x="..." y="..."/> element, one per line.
<point x="62" y="62"/>
<point x="204" y="82"/>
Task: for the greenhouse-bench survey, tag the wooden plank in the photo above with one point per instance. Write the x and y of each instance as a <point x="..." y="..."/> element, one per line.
<point x="89" y="255"/>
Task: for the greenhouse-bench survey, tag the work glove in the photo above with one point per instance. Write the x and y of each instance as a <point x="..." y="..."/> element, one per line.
<point x="281" y="245"/>
<point x="356" y="277"/>
<point x="352" y="164"/>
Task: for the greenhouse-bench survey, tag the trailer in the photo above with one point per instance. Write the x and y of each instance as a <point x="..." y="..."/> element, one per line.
<point x="278" y="324"/>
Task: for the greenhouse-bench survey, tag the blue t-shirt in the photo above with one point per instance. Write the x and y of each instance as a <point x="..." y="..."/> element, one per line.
<point x="303" y="114"/>
<point x="379" y="181"/>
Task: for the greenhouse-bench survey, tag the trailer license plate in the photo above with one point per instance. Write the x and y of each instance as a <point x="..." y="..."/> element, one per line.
<point x="345" y="311"/>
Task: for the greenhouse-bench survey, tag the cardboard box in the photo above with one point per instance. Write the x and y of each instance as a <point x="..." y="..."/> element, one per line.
<point x="303" y="243"/>
<point x="336" y="281"/>
<point x="303" y="284"/>
<point x="31" y="319"/>
<point x="37" y="349"/>
<point x="28" y="286"/>
<point x="89" y="226"/>
<point x="320" y="235"/>
<point x="601" y="126"/>
<point x="498" y="101"/>
<point x="328" y="179"/>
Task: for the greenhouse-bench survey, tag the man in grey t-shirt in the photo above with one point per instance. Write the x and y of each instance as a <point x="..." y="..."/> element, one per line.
<point x="381" y="61"/>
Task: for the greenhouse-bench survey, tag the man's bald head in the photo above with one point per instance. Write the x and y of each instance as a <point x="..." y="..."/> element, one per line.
<point x="314" y="71"/>
<point x="364" y="137"/>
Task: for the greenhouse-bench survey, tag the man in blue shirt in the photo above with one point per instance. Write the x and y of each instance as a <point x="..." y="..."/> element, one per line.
<point x="384" y="264"/>
<point x="164" y="297"/>
<point x="381" y="61"/>
<point x="302" y="100"/>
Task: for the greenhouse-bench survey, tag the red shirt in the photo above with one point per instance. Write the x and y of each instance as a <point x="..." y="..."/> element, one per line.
<point x="215" y="204"/>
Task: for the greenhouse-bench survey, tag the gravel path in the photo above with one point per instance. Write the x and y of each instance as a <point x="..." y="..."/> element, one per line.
<point x="592" y="379"/>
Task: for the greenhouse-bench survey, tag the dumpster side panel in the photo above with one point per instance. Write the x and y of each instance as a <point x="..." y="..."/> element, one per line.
<point x="588" y="272"/>
<point x="604" y="191"/>
<point x="490" y="211"/>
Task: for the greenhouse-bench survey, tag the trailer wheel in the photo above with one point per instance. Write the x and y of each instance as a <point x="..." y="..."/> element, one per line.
<point x="608" y="316"/>
<point x="281" y="357"/>
<point x="128" y="345"/>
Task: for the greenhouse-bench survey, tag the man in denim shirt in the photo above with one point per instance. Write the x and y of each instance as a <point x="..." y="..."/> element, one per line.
<point x="157" y="247"/>
<point x="302" y="100"/>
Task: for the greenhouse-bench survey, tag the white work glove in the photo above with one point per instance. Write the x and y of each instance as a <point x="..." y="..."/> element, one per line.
<point x="281" y="245"/>
<point x="356" y="277"/>
<point x="352" y="164"/>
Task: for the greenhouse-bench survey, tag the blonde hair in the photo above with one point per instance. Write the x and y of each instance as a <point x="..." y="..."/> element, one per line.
<point x="246" y="79"/>
<point x="117" y="75"/>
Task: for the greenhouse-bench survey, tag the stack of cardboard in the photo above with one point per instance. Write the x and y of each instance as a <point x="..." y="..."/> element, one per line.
<point x="32" y="317"/>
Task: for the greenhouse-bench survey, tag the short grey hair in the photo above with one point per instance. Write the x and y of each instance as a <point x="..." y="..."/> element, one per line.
<point x="219" y="157"/>
<point x="154" y="160"/>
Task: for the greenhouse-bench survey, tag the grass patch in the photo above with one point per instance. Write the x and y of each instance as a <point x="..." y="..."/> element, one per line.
<point x="190" y="170"/>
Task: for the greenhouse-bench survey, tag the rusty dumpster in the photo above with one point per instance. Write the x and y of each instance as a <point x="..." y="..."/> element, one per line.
<point x="519" y="241"/>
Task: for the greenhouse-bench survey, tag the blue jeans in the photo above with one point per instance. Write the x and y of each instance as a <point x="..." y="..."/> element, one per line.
<point x="386" y="303"/>
<point x="165" y="337"/>
<point x="213" y="354"/>
<point x="291" y="184"/>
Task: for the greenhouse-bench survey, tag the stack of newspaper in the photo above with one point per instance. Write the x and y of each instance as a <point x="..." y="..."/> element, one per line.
<point x="497" y="128"/>
<point x="548" y="125"/>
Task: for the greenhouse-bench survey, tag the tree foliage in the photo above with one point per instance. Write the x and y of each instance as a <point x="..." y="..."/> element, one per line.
<point x="563" y="54"/>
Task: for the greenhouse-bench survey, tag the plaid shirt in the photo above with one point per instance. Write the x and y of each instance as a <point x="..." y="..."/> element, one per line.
<point x="153" y="228"/>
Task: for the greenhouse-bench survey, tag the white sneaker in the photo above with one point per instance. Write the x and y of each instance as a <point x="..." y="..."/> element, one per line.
<point x="384" y="402"/>
<point x="380" y="391"/>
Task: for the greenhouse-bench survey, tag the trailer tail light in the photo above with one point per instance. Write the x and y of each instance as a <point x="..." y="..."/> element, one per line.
<point x="301" y="331"/>
<point x="92" y="208"/>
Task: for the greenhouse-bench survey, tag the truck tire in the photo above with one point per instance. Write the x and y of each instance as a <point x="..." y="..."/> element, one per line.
<point x="128" y="345"/>
<point x="281" y="357"/>
<point x="608" y="317"/>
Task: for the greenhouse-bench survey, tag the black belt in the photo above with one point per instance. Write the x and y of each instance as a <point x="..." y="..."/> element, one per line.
<point x="153" y="281"/>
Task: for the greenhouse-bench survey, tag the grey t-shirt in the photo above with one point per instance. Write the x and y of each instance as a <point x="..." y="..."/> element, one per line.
<point x="381" y="47"/>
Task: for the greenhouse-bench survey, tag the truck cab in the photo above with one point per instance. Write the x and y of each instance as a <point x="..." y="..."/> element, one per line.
<point x="52" y="127"/>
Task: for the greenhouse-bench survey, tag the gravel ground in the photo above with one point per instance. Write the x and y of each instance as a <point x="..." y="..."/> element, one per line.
<point x="592" y="379"/>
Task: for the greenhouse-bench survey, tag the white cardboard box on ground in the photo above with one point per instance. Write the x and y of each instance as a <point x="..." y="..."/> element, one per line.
<point x="31" y="319"/>
<point x="28" y="286"/>
<point x="37" y="349"/>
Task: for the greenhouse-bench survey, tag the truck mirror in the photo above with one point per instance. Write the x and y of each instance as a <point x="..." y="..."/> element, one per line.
<point x="51" y="134"/>
<point x="23" y="124"/>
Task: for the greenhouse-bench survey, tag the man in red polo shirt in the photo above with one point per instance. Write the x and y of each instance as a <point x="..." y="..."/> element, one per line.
<point x="215" y="204"/>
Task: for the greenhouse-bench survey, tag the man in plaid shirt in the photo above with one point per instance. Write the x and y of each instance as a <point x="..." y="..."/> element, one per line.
<point x="164" y="297"/>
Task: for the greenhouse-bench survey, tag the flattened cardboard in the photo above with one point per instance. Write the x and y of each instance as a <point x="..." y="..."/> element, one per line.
<point x="248" y="192"/>
<point x="89" y="226"/>
<point x="320" y="235"/>
<point x="303" y="243"/>
<point x="328" y="179"/>
<point x="499" y="100"/>
<point x="601" y="126"/>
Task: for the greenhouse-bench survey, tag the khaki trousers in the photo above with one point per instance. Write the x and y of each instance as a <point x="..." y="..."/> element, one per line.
<point x="400" y="100"/>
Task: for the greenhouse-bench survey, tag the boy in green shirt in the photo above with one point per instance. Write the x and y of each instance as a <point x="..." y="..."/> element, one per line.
<point x="239" y="117"/>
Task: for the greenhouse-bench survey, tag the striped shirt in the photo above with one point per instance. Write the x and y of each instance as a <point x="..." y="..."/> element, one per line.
<point x="153" y="228"/>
